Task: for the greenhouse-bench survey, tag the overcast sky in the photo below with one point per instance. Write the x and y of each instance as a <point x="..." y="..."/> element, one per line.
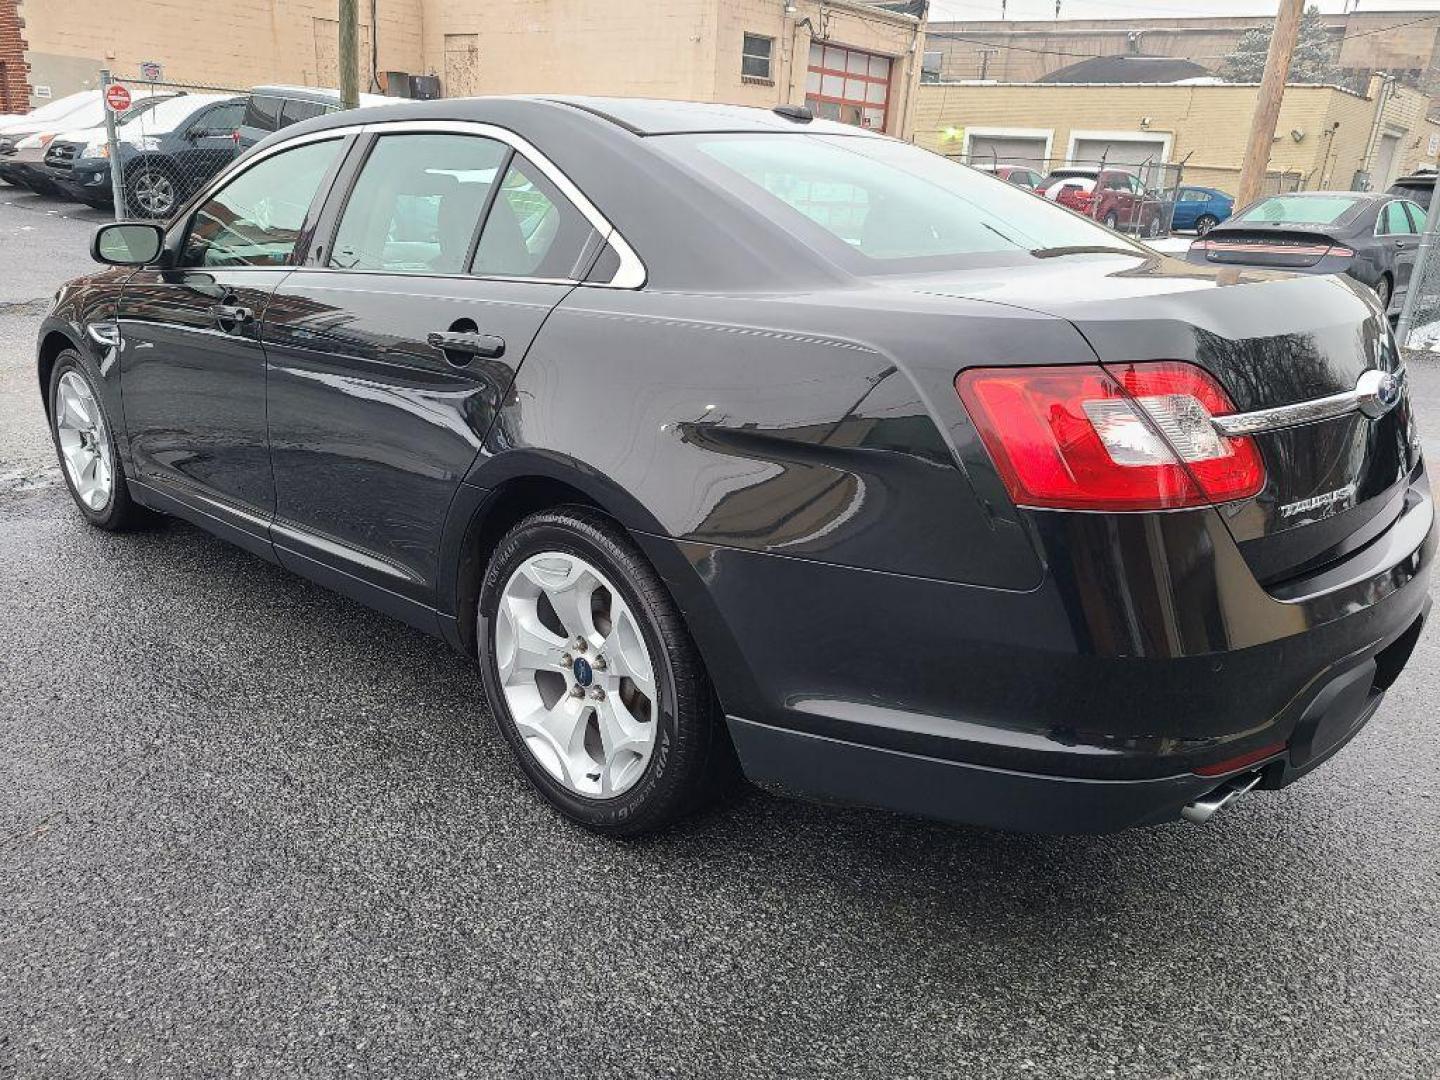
<point x="1131" y="9"/>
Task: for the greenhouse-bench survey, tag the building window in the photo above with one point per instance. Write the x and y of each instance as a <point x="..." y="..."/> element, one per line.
<point x="848" y="85"/>
<point x="755" y="56"/>
<point x="930" y="67"/>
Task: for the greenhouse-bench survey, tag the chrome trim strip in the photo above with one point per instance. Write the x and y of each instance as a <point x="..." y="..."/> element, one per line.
<point x="282" y="533"/>
<point x="631" y="273"/>
<point x="1366" y="398"/>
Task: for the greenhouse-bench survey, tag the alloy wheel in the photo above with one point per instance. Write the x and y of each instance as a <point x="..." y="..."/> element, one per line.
<point x="576" y="674"/>
<point x="84" y="441"/>
<point x="154" y="193"/>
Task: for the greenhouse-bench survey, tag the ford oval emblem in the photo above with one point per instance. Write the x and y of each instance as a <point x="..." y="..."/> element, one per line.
<point x="582" y="671"/>
<point x="1377" y="392"/>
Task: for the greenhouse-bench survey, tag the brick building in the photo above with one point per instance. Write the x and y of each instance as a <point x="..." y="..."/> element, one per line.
<point x="1327" y="136"/>
<point x="856" y="61"/>
<point x="14" y="75"/>
<point x="1405" y="44"/>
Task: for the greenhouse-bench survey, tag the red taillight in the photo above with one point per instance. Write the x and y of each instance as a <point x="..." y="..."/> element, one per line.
<point x="1139" y="437"/>
<point x="1340" y="252"/>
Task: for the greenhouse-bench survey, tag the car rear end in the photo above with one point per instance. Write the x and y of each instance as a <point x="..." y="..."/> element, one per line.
<point x="1187" y="549"/>
<point x="1076" y="190"/>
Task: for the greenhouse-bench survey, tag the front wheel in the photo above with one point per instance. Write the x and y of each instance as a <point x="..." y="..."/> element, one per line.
<point x="1205" y="223"/>
<point x="593" y="678"/>
<point x="151" y="191"/>
<point x="1152" y="230"/>
<point x="86" y="448"/>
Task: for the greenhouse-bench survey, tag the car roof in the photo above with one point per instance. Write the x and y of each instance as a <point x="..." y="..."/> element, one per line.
<point x="638" y="116"/>
<point x="321" y="94"/>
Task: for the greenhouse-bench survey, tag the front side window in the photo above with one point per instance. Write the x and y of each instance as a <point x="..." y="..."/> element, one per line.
<point x="221" y="120"/>
<point x="532" y="230"/>
<point x="256" y="218"/>
<point x="417" y="204"/>
<point x="879" y="205"/>
<point x="755" y="56"/>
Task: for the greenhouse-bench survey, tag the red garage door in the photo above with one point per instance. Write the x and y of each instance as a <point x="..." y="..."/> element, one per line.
<point x="848" y="85"/>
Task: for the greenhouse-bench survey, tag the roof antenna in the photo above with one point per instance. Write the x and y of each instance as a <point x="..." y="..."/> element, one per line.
<point x="801" y="114"/>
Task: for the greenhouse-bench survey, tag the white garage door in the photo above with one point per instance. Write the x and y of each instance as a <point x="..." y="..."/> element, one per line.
<point x="1130" y="154"/>
<point x="1008" y="150"/>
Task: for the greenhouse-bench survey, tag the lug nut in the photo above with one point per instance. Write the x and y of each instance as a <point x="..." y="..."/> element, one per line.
<point x="580" y="644"/>
<point x="597" y="694"/>
<point x="577" y="691"/>
<point x="566" y="660"/>
<point x="600" y="663"/>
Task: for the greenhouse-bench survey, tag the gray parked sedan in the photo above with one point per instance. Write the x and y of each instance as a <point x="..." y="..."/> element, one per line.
<point x="1372" y="238"/>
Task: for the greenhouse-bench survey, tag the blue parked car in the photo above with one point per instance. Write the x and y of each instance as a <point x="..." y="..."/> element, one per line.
<point x="1201" y="208"/>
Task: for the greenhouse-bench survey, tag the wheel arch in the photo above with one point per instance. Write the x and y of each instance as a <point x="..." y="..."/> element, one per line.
<point x="52" y="344"/>
<point x="482" y="515"/>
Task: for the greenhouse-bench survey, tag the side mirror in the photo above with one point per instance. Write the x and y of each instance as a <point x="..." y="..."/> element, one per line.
<point x="127" y="243"/>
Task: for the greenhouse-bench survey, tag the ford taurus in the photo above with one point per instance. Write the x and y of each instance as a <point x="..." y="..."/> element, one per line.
<point x="728" y="439"/>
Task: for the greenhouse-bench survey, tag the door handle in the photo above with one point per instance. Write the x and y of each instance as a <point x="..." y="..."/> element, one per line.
<point x="466" y="345"/>
<point x="232" y="313"/>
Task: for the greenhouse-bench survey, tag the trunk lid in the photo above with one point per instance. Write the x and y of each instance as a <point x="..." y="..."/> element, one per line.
<point x="1294" y="249"/>
<point x="1271" y="339"/>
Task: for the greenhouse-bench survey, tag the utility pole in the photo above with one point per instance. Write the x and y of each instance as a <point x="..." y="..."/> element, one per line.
<point x="1267" y="104"/>
<point x="349" y="47"/>
<point x="985" y="55"/>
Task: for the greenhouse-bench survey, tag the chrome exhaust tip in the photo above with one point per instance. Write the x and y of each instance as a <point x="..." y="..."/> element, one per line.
<point x="1211" y="803"/>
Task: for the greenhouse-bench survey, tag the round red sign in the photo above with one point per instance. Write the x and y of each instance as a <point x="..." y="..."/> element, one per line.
<point x="118" y="98"/>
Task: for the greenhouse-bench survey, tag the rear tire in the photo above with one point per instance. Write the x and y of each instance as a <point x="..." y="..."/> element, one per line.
<point x="1111" y="221"/>
<point x="617" y="762"/>
<point x="1205" y="223"/>
<point x="85" y="444"/>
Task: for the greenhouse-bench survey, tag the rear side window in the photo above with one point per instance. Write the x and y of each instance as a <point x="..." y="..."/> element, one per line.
<point x="256" y="219"/>
<point x="882" y="205"/>
<point x="532" y="230"/>
<point x="417" y="204"/>
<point x="1417" y="217"/>
<point x="263" y="113"/>
<point x="1394" y="221"/>
<point x="294" y="111"/>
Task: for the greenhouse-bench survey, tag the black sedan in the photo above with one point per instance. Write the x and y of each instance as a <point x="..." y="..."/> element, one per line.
<point x="1371" y="238"/>
<point x="729" y="438"/>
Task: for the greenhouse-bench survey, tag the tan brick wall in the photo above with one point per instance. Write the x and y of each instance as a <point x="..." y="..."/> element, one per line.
<point x="1406" y="111"/>
<point x="687" y="49"/>
<point x="237" y="43"/>
<point x="1207" y="123"/>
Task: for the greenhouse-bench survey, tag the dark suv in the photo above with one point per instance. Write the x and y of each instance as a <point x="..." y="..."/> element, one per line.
<point x="271" y="108"/>
<point x="165" y="155"/>
<point x="1419" y="187"/>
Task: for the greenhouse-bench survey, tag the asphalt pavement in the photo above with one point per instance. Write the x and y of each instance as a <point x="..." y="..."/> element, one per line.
<point x="248" y="828"/>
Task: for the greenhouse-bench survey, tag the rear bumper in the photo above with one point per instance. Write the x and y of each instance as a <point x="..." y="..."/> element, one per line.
<point x="1111" y="695"/>
<point x="816" y="766"/>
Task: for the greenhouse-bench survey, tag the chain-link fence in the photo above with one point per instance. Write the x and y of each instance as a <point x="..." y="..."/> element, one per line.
<point x="153" y="154"/>
<point x="1147" y="197"/>
<point x="1419" y="325"/>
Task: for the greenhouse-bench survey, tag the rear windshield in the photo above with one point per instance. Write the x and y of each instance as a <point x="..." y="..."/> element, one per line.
<point x="879" y="205"/>
<point x="1299" y="210"/>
